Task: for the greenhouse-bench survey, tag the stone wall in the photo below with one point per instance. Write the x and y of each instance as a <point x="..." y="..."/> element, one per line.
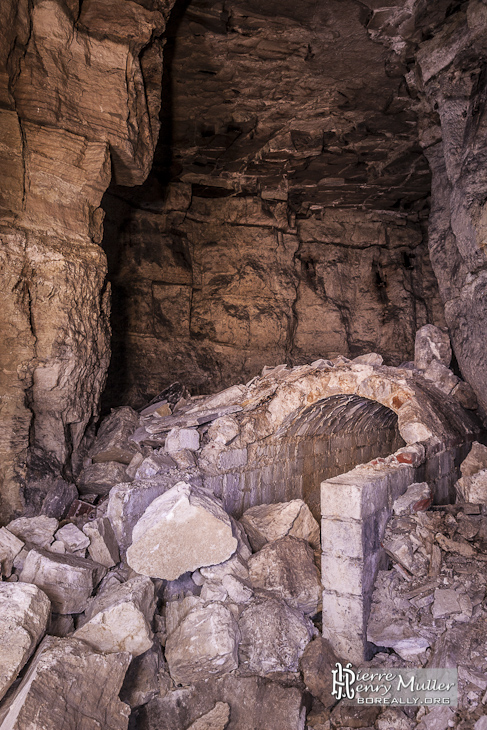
<point x="355" y="509"/>
<point x="210" y="290"/>
<point x="328" y="438"/>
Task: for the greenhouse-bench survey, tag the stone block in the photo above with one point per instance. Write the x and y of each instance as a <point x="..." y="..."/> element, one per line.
<point x="267" y="522"/>
<point x="342" y="612"/>
<point x="343" y="575"/>
<point x="99" y="478"/>
<point x="38" y="531"/>
<point x="341" y="498"/>
<point x="112" y="440"/>
<point x="72" y="538"/>
<point x="234" y="459"/>
<point x="341" y="538"/>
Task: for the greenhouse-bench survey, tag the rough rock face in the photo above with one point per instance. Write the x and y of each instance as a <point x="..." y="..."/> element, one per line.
<point x="71" y="686"/>
<point x="24" y="612"/>
<point x="58" y="147"/>
<point x="293" y="225"/>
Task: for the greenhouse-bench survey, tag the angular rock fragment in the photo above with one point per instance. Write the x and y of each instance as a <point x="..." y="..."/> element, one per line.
<point x="181" y="530"/>
<point x="392" y="719"/>
<point x="24" y="613"/>
<point x="119" y="619"/>
<point x="396" y="634"/>
<point x="153" y="465"/>
<point x="268" y="522"/>
<point x="215" y="719"/>
<point x="72" y="538"/>
<point x="286" y="569"/>
<point x="316" y="665"/>
<point x="103" y="547"/>
<point x="431" y="344"/>
<point x="441" y="376"/>
<point x="465" y="395"/>
<point x="274" y="636"/>
<point x="58" y="499"/>
<point x="475" y="461"/>
<point x="446" y="603"/>
<point x="223" y="430"/>
<point x="66" y="579"/>
<point x="111" y="443"/>
<point x="38" y="531"/>
<point x="416" y="497"/>
<point x="100" y="478"/>
<point x="146" y="678"/>
<point x="68" y="685"/>
<point x="473" y="488"/>
<point x="182" y="438"/>
<point x="10" y="547"/>
<point x="203" y="645"/>
<point x="127" y="502"/>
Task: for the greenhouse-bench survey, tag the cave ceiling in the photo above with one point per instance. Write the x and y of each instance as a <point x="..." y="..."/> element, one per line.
<point x="299" y="101"/>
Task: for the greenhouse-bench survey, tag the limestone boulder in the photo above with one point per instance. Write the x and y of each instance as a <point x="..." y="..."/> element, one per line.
<point x="181" y="530"/>
<point x="154" y="464"/>
<point x="204" y="645"/>
<point x="431" y="344"/>
<point x="69" y="685"/>
<point x="441" y="376"/>
<point x="112" y="440"/>
<point x="10" y="547"/>
<point x="38" y="531"/>
<point x="473" y="488"/>
<point x="103" y="547"/>
<point x="267" y="522"/>
<point x="128" y="501"/>
<point x="285" y="568"/>
<point x="475" y="461"/>
<point x="99" y="478"/>
<point x="118" y="619"/>
<point x="67" y="580"/>
<point x="273" y="637"/>
<point x="72" y="538"/>
<point x="24" y="614"/>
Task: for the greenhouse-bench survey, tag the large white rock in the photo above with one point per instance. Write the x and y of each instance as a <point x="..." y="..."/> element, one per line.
<point x="38" y="531"/>
<point x="24" y="613"/>
<point x="119" y="619"/>
<point x="181" y="530"/>
<point x="286" y="569"/>
<point x="182" y="438"/>
<point x="68" y="580"/>
<point x="268" y="522"/>
<point x="203" y="645"/>
<point x="70" y="686"/>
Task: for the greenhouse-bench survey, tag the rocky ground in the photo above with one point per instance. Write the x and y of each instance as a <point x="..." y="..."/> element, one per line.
<point x="140" y="602"/>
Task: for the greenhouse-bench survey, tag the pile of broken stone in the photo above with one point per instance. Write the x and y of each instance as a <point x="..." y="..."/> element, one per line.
<point x="143" y="604"/>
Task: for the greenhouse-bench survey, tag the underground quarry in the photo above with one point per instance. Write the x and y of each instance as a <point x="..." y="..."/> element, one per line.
<point x="243" y="382"/>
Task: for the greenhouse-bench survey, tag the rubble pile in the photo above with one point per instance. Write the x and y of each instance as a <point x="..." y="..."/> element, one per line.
<point x="146" y="598"/>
